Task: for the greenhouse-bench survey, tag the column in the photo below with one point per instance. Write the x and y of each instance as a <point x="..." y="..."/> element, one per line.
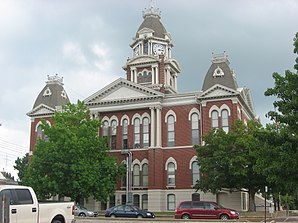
<point x="158" y="126"/>
<point x="152" y="131"/>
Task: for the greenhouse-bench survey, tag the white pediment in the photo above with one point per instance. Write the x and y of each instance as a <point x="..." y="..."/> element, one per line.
<point x="142" y="59"/>
<point x="124" y="93"/>
<point x="41" y="110"/>
<point x="219" y="91"/>
<point x="122" y="90"/>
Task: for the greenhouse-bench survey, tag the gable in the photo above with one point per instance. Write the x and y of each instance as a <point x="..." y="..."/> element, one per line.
<point x="218" y="91"/>
<point x="122" y="91"/>
<point x="42" y="109"/>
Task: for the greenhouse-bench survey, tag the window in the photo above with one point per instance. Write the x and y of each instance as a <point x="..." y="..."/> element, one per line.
<point x="214" y="119"/>
<point x="105" y="131"/>
<point x="171" y="174"/>
<point x="171" y="130"/>
<point x="225" y="120"/>
<point x="137" y="133"/>
<point x="145" y="175"/>
<point x="171" y="202"/>
<point x="145" y="46"/>
<point x="23" y="196"/>
<point x="145" y="201"/>
<point x="136" y="175"/>
<point x="195" y="128"/>
<point x="144" y="77"/>
<point x="124" y="134"/>
<point x="113" y="134"/>
<point x="195" y="172"/>
<point x="136" y="200"/>
<point x="38" y="133"/>
<point x="145" y="132"/>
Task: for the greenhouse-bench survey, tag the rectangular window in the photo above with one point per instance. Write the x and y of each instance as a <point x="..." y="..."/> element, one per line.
<point x="23" y="196"/>
<point x="171" y="202"/>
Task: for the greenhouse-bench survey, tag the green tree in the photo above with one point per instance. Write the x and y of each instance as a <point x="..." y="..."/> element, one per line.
<point x="280" y="154"/>
<point x="74" y="161"/>
<point x="21" y="165"/>
<point x="227" y="161"/>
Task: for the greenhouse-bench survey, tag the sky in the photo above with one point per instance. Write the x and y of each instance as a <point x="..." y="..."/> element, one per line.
<point x="87" y="42"/>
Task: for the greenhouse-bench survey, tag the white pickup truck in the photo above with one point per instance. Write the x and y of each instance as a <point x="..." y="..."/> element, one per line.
<point x="25" y="208"/>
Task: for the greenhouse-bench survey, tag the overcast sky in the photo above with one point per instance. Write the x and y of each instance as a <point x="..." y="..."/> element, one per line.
<point x="87" y="42"/>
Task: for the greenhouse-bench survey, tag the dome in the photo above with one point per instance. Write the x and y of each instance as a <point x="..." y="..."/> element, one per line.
<point x="152" y="21"/>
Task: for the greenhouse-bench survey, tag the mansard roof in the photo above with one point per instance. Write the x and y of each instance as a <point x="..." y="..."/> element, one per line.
<point x="220" y="73"/>
<point x="122" y="91"/>
<point x="53" y="94"/>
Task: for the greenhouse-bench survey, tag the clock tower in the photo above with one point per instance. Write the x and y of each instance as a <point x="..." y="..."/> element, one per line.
<point x="151" y="64"/>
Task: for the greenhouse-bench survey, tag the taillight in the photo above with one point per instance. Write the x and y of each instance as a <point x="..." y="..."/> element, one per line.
<point x="73" y="209"/>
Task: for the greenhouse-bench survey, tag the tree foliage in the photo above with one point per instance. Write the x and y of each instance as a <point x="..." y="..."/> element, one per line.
<point x="74" y="162"/>
<point x="281" y="140"/>
<point x="227" y="160"/>
<point x="21" y="165"/>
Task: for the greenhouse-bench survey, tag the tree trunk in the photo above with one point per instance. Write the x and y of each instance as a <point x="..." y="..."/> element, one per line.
<point x="251" y="206"/>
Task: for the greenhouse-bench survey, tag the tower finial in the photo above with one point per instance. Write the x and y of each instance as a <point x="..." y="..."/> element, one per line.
<point x="152" y="10"/>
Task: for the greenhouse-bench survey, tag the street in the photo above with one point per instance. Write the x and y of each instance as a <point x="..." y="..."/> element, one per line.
<point x="168" y="220"/>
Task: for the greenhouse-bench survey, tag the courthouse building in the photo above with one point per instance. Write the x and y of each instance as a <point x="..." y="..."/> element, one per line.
<point x="151" y="126"/>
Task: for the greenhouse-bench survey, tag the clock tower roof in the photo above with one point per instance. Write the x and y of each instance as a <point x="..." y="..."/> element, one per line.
<point x="152" y="21"/>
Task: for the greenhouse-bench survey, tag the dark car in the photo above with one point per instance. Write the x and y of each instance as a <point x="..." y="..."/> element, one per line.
<point x="204" y="209"/>
<point x="128" y="211"/>
<point x="84" y="212"/>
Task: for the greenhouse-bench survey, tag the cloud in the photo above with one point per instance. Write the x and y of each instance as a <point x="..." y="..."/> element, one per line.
<point x="73" y="52"/>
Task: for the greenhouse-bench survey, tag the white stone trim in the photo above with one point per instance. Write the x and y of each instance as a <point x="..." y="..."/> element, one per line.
<point x="193" y="159"/>
<point x="194" y="110"/>
<point x="171" y="160"/>
<point x="170" y="112"/>
<point x="124" y="117"/>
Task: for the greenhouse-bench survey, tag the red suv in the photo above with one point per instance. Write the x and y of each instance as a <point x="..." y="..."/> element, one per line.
<point x="204" y="209"/>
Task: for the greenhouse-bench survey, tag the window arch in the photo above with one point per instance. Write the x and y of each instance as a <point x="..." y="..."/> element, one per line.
<point x="145" y="128"/>
<point x="225" y="120"/>
<point x="214" y="119"/>
<point x="171" y="130"/>
<point x="195" y="170"/>
<point x="195" y="128"/>
<point x="145" y="175"/>
<point x="171" y="202"/>
<point x="113" y="133"/>
<point x="171" y="174"/>
<point x="137" y="136"/>
<point x="136" y="175"/>
<point x="38" y="133"/>
<point x="125" y="134"/>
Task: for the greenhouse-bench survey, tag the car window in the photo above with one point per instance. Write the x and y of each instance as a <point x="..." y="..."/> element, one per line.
<point x="185" y="205"/>
<point x="120" y="208"/>
<point x="198" y="205"/>
<point x="209" y="206"/>
<point x="128" y="208"/>
<point x="7" y="194"/>
<point x="23" y="196"/>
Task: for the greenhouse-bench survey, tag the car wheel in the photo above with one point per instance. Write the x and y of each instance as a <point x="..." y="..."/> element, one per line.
<point x="185" y="216"/>
<point x="113" y="216"/>
<point x="139" y="216"/>
<point x="82" y="215"/>
<point x="224" y="217"/>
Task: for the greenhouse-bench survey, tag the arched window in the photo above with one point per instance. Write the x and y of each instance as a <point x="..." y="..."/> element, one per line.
<point x="171" y="174"/>
<point x="225" y="120"/>
<point x="113" y="134"/>
<point x="195" y="169"/>
<point x="137" y="133"/>
<point x="105" y="128"/>
<point x="171" y="130"/>
<point x="195" y="129"/>
<point x="214" y="119"/>
<point x="145" y="175"/>
<point x="136" y="175"/>
<point x="38" y="133"/>
<point x="136" y="200"/>
<point x="145" y="132"/>
<point x="171" y="204"/>
<point x="145" y="46"/>
<point x="145" y="201"/>
<point x="124" y="134"/>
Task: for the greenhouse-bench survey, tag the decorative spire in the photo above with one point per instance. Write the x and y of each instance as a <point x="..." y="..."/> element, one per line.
<point x="55" y="80"/>
<point x="151" y="10"/>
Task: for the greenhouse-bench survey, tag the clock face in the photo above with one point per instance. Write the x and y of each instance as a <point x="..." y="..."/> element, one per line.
<point x="158" y="49"/>
<point x="137" y="51"/>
